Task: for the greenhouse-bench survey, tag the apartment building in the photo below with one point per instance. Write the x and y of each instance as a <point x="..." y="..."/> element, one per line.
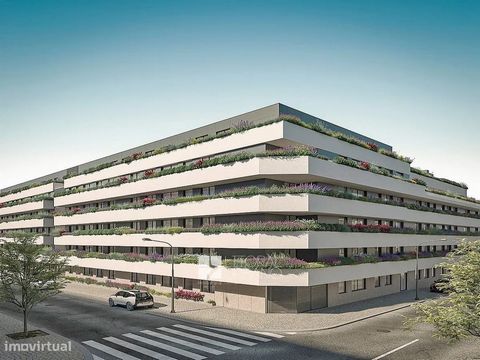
<point x="274" y="210"/>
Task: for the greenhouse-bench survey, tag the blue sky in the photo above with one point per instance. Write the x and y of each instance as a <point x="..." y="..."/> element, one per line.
<point x="84" y="79"/>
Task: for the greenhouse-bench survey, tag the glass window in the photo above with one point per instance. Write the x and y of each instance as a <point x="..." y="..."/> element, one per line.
<point x="377" y="281"/>
<point x="342" y="287"/>
<point x="359" y="284"/>
<point x="388" y="280"/>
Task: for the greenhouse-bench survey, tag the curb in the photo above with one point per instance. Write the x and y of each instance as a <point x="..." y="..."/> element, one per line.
<point x="330" y="327"/>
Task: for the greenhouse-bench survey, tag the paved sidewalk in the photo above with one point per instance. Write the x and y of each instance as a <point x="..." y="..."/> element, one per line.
<point x="231" y="318"/>
<point x="9" y="325"/>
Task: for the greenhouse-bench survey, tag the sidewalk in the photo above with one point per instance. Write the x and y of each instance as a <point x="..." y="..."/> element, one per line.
<point x="322" y="319"/>
<point x="9" y="325"/>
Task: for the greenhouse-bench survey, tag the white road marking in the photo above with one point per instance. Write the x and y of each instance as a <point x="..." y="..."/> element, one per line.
<point x="269" y="334"/>
<point x="219" y="336"/>
<point x="200" y="338"/>
<point x="110" y="351"/>
<point x="95" y="357"/>
<point x="163" y="346"/>
<point x="139" y="349"/>
<point x="396" y="349"/>
<point x="183" y="342"/>
<point x="291" y="333"/>
<point x="233" y="332"/>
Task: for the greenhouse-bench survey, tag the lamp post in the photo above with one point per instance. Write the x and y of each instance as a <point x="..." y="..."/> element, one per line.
<point x="172" y="310"/>
<point x="416" y="266"/>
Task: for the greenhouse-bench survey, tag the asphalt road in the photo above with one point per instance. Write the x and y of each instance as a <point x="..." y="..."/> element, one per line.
<point x="101" y="326"/>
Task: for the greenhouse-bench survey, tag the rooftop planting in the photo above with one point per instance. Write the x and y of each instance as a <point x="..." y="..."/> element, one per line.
<point x="244" y="126"/>
<point x="289" y="152"/>
<point x="453" y="195"/>
<point x="27" y="187"/>
<point x="429" y="174"/>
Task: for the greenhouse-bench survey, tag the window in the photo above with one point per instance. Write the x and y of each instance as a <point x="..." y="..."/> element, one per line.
<point x="377" y="281"/>
<point x="427" y="273"/>
<point x="359" y="284"/>
<point x="151" y="279"/>
<point x="342" y="288"/>
<point x="134" y="277"/>
<point x="434" y="272"/>
<point x="111" y="274"/>
<point x="388" y="280"/>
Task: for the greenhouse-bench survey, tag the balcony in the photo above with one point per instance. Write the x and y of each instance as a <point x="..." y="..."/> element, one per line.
<point x="281" y="134"/>
<point x="27" y="224"/>
<point x="27" y="207"/>
<point x="270" y="240"/>
<point x="278" y="204"/>
<point x="293" y="277"/>
<point x="38" y="190"/>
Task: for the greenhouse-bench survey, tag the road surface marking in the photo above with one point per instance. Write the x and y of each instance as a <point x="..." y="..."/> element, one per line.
<point x="139" y="349"/>
<point x="200" y="338"/>
<point x="109" y="350"/>
<point x="95" y="357"/>
<point x="269" y="334"/>
<point x="291" y="333"/>
<point x="396" y="349"/>
<point x="233" y="332"/>
<point x="183" y="342"/>
<point x="163" y="346"/>
<point x="219" y="336"/>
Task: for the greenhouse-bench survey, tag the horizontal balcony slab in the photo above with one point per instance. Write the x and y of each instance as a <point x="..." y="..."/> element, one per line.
<point x="40" y="240"/>
<point x="38" y="190"/>
<point x="286" y="204"/>
<point x="281" y="133"/>
<point x="294" y="277"/>
<point x="27" y="224"/>
<point x="270" y="240"/>
<point x="27" y="207"/>
<point x="300" y="169"/>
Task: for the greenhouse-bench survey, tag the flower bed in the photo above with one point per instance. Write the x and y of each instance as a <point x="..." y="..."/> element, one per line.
<point x="28" y="217"/>
<point x="244" y="126"/>
<point x="131" y="257"/>
<point x="189" y="295"/>
<point x="273" y="226"/>
<point x="296" y="189"/>
<point x="427" y="173"/>
<point x="26" y="200"/>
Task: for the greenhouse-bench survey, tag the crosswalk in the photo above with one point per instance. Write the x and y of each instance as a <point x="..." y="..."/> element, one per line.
<point x="176" y="342"/>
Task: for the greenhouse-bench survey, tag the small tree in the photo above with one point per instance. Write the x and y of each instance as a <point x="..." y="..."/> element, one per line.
<point x="29" y="273"/>
<point x="457" y="315"/>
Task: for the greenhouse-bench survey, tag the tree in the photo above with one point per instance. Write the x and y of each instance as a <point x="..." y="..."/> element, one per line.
<point x="29" y="273"/>
<point x="457" y="315"/>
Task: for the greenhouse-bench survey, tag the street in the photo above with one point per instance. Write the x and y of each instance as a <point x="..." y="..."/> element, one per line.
<point x="112" y="333"/>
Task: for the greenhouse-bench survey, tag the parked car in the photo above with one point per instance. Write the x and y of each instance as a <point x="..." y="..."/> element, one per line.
<point x="435" y="286"/>
<point x="44" y="285"/>
<point x="131" y="299"/>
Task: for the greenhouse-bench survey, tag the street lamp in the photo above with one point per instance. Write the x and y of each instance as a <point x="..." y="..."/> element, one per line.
<point x="173" y="273"/>
<point x="416" y="266"/>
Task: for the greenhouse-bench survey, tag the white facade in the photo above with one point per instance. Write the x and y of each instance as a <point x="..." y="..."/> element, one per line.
<point x="89" y="208"/>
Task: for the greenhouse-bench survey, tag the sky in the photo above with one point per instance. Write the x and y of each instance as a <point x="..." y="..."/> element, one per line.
<point x="84" y="79"/>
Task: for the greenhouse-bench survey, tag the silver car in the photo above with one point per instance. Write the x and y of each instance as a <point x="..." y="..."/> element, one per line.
<point x="131" y="299"/>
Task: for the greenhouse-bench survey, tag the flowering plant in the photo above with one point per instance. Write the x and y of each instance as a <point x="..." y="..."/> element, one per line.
<point x="188" y="295"/>
<point x="149" y="201"/>
<point x="365" y="165"/>
<point x="372" y="146"/>
<point x="149" y="173"/>
<point x="123" y="179"/>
